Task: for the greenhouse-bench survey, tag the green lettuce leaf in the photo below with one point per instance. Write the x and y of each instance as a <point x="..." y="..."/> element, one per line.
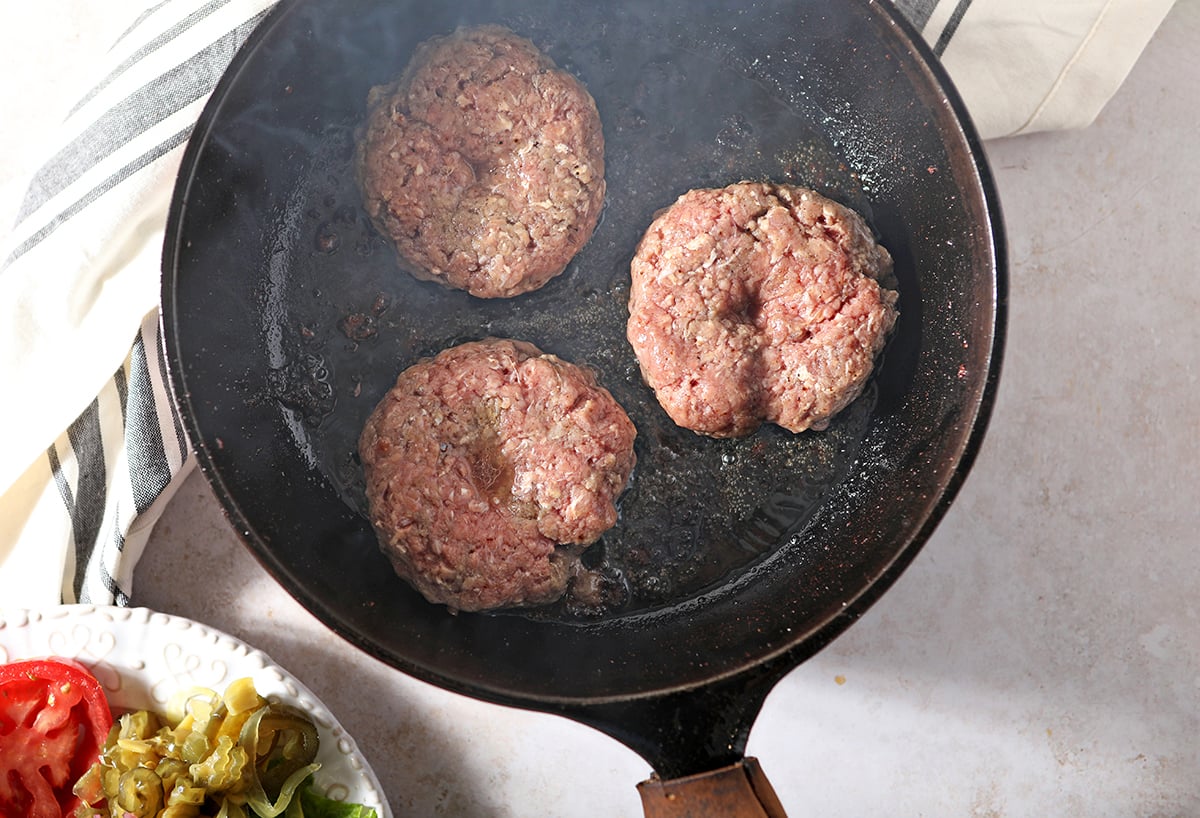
<point x="311" y="804"/>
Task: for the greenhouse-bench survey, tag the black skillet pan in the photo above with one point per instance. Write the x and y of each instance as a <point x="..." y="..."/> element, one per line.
<point x="286" y="318"/>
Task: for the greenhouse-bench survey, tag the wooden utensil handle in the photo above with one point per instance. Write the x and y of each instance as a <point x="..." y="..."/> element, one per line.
<point x="740" y="790"/>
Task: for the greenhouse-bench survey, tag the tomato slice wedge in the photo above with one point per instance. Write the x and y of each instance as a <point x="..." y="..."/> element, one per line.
<point x="54" y="720"/>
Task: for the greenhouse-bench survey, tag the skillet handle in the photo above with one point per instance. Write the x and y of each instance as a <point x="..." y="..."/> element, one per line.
<point x="740" y="790"/>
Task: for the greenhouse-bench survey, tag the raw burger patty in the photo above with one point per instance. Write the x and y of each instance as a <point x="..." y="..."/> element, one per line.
<point x="489" y="468"/>
<point x="484" y="163"/>
<point x="758" y="302"/>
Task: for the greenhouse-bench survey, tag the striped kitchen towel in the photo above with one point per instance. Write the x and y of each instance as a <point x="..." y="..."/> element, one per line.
<point x="90" y="447"/>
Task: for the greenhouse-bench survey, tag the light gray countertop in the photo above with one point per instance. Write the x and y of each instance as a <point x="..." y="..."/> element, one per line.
<point x="1042" y="654"/>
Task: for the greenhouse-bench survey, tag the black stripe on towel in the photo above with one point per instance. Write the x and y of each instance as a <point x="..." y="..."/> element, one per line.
<point x="150" y="47"/>
<point x="100" y="571"/>
<point x="60" y="480"/>
<point x="91" y="490"/>
<point x="134" y="115"/>
<point x="95" y="193"/>
<point x="122" y="393"/>
<point x="947" y="34"/>
<point x="917" y="12"/>
<point x="119" y="596"/>
<point x="149" y="471"/>
<point x="180" y="436"/>
<point x="145" y="15"/>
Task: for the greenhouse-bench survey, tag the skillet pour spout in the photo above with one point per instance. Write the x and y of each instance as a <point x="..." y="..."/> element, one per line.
<point x="743" y="558"/>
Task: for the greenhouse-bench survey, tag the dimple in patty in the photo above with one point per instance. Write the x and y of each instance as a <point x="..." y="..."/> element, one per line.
<point x="758" y="302"/>
<point x="484" y="163"/>
<point x="489" y="468"/>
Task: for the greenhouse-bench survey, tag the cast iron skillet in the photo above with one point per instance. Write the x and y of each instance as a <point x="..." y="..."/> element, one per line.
<point x="286" y="317"/>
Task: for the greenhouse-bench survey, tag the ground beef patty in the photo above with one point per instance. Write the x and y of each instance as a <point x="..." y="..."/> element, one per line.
<point x="488" y="470"/>
<point x="758" y="302"/>
<point x="484" y="163"/>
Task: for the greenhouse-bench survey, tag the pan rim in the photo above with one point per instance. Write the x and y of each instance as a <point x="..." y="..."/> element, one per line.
<point x="803" y="644"/>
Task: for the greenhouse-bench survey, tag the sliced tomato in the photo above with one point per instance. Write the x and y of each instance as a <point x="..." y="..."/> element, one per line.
<point x="54" y="719"/>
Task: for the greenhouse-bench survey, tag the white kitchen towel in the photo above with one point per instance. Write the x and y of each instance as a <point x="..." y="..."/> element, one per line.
<point x="90" y="447"/>
<point x="1035" y="65"/>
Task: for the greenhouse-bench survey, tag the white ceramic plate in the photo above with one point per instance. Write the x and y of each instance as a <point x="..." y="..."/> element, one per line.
<point x="142" y="658"/>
